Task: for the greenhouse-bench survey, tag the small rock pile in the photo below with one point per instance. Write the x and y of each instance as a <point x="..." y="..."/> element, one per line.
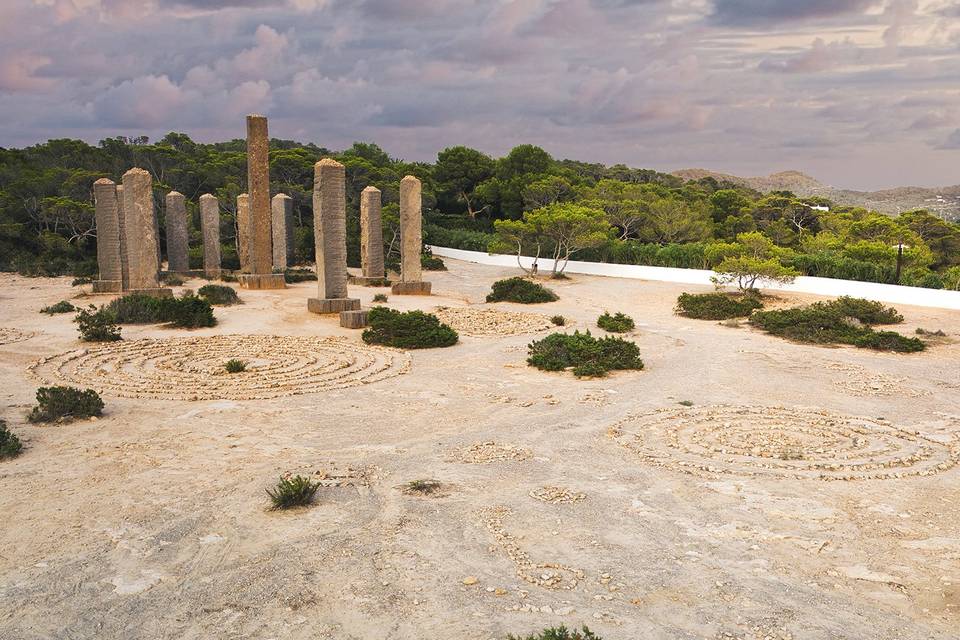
<point x="556" y="495"/>
<point x="487" y="452"/>
<point x="483" y="322"/>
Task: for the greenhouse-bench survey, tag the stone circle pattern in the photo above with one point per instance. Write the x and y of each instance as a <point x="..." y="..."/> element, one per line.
<point x="487" y="452"/>
<point x="780" y="441"/>
<point x="482" y="322"/>
<point x="9" y="335"/>
<point x="193" y="368"/>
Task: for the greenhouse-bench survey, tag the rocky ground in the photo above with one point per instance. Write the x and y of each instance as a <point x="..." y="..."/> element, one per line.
<point x="739" y="486"/>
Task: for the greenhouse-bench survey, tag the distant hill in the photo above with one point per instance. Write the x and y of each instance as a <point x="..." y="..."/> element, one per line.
<point x="944" y="201"/>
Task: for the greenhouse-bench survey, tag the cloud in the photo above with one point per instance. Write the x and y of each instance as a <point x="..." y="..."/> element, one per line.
<point x="952" y="141"/>
<point x="758" y="12"/>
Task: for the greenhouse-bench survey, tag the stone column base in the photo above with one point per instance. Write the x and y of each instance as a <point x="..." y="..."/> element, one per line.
<point x="261" y="281"/>
<point x="332" y="305"/>
<point x="353" y="319"/>
<point x="411" y="288"/>
<point x="160" y="292"/>
<point x="107" y="286"/>
<point x="364" y="281"/>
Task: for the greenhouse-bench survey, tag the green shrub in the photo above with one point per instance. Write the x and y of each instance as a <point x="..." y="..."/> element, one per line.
<point x="837" y="322"/>
<point x="380" y="297"/>
<point x="229" y="277"/>
<point x="717" y="306"/>
<point x="520" y="290"/>
<point x="218" y="294"/>
<point x="10" y="445"/>
<point x="422" y="487"/>
<point x="430" y="262"/>
<point x="293" y="492"/>
<point x="61" y="307"/>
<point x="407" y="330"/>
<point x="618" y="323"/>
<point x="64" y="404"/>
<point x="97" y="325"/>
<point x="172" y="279"/>
<point x="588" y="356"/>
<point x="558" y="320"/>
<point x="559" y="633"/>
<point x="187" y="312"/>
<point x="235" y="366"/>
<point x="81" y="280"/>
<point x="291" y="276"/>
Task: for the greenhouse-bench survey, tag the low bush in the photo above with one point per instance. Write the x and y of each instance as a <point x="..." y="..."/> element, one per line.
<point x="235" y="366"/>
<point x="218" y="294"/>
<point x="558" y="320"/>
<point x="10" y="445"/>
<point x="65" y="404"/>
<point x="843" y="321"/>
<point x="559" y="633"/>
<point x="586" y="355"/>
<point x="97" y="325"/>
<point x="617" y="323"/>
<point x="430" y="262"/>
<point x="293" y="492"/>
<point x="520" y="290"/>
<point x="172" y="279"/>
<point x="61" y="307"/>
<point x="717" y="306"/>
<point x="380" y="297"/>
<point x="186" y="312"/>
<point x="407" y="330"/>
<point x="421" y="487"/>
<point x="292" y="276"/>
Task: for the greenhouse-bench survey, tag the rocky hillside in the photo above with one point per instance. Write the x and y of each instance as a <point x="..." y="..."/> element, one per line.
<point x="944" y="201"/>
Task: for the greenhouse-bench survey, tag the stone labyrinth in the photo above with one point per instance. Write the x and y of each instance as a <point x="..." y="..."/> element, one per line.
<point x="9" y="335"/>
<point x="193" y="368"/>
<point x="779" y="441"/>
<point x="481" y="322"/>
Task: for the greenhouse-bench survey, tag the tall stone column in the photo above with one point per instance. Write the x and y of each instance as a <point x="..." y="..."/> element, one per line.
<point x="371" y="238"/>
<point x="282" y="208"/>
<point x="330" y="233"/>
<point x="124" y="267"/>
<point x="243" y="232"/>
<point x="178" y="235"/>
<point x="411" y="240"/>
<point x="140" y="228"/>
<point x="260" y="242"/>
<point x="108" y="237"/>
<point x="210" y="226"/>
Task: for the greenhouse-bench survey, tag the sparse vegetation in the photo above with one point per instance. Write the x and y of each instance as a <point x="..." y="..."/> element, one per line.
<point x="293" y="492"/>
<point x="63" y="404"/>
<point x="520" y="290"/>
<point x="218" y="294"/>
<point x="421" y="487"/>
<point x="97" y="325"/>
<point x="586" y="355"/>
<point x="61" y="307"/>
<point x="559" y="633"/>
<point x="292" y="276"/>
<point x="10" y="445"/>
<point x="558" y="321"/>
<point x="380" y="297"/>
<point x="235" y="366"/>
<point x="686" y="403"/>
<point x="842" y="321"/>
<point x="407" y="330"/>
<point x="939" y="333"/>
<point x="172" y="279"/>
<point x="430" y="262"/>
<point x="186" y="312"/>
<point x="617" y="323"/>
<point x="717" y="306"/>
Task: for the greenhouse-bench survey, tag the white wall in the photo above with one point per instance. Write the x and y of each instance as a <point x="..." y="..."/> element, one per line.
<point x="804" y="284"/>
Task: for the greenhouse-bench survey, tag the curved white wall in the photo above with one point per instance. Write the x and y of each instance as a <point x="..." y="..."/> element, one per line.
<point x="804" y="284"/>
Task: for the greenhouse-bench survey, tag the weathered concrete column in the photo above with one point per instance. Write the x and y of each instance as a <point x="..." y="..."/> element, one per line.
<point x="330" y="233"/>
<point x="210" y="226"/>
<point x="124" y="267"/>
<point x="243" y="232"/>
<point x="260" y="242"/>
<point x="371" y="239"/>
<point x="411" y="240"/>
<point x="108" y="237"/>
<point x="140" y="228"/>
<point x="178" y="235"/>
<point x="282" y="208"/>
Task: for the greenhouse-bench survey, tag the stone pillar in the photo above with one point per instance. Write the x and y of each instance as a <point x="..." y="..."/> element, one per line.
<point x="210" y="226"/>
<point x="330" y="233"/>
<point x="243" y="232"/>
<point x="260" y="241"/>
<point x="108" y="237"/>
<point x="411" y="240"/>
<point x="282" y="208"/>
<point x="178" y="235"/>
<point x="124" y="267"/>
<point x="140" y="228"/>
<point x="371" y="239"/>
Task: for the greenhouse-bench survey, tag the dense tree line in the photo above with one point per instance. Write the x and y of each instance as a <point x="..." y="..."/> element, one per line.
<point x="525" y="202"/>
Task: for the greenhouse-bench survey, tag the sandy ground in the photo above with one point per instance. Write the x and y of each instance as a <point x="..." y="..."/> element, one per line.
<point x="563" y="501"/>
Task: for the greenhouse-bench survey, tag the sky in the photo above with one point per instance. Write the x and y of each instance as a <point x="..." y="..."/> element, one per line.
<point x="860" y="94"/>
